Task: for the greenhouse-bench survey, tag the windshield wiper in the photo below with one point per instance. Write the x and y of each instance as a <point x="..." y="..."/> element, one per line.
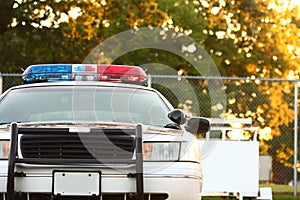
<point x="172" y="125"/>
<point x="4" y="123"/>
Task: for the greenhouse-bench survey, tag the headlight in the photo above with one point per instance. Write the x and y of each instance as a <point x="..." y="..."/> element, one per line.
<point x="161" y="151"/>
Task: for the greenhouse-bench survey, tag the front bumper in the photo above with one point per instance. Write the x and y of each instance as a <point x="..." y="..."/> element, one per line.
<point x="175" y="188"/>
<point x="177" y="181"/>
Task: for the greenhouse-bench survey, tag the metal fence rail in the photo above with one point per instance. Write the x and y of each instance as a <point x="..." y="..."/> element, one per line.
<point x="272" y="104"/>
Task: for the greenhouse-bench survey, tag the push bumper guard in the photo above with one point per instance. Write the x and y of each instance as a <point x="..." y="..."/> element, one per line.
<point x="13" y="159"/>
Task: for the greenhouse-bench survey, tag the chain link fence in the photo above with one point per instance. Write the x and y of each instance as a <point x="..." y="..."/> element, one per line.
<point x="270" y="103"/>
<point x="9" y="80"/>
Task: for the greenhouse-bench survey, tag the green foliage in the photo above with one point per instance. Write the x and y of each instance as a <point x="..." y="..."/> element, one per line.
<point x="49" y="32"/>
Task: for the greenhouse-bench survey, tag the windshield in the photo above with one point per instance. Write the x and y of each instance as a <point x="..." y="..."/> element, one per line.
<point x="84" y="104"/>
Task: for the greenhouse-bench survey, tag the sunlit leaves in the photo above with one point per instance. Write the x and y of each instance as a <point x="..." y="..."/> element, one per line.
<point x="252" y="32"/>
<point x="285" y="156"/>
<point x="144" y="13"/>
<point x="257" y="39"/>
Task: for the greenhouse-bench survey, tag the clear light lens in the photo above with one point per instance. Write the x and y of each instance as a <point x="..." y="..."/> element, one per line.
<point x="4" y="148"/>
<point x="161" y="151"/>
<point x="84" y="68"/>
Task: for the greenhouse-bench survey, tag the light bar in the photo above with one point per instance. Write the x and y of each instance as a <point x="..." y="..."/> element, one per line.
<point x="85" y="72"/>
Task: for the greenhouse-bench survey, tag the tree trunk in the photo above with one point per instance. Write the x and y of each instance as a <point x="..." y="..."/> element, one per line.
<point x="6" y="13"/>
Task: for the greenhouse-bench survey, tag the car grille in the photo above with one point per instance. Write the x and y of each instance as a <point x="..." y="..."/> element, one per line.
<point x="101" y="145"/>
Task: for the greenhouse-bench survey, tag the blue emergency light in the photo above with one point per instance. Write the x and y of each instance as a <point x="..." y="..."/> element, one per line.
<point x="84" y="72"/>
<point x="47" y="72"/>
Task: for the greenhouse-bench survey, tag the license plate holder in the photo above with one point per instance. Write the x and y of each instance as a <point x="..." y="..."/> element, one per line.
<point x="76" y="183"/>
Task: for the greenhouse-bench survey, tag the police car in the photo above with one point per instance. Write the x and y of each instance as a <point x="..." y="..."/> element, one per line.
<point x="87" y="131"/>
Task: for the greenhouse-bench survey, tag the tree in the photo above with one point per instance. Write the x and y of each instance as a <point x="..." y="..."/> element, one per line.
<point x="66" y="31"/>
<point x="257" y="39"/>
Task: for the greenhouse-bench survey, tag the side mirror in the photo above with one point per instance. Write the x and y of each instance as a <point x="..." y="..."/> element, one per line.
<point x="198" y="125"/>
<point x="177" y="116"/>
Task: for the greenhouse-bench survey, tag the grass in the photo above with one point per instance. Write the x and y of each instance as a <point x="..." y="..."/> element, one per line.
<point x="281" y="189"/>
<point x="274" y="198"/>
<point x="277" y="197"/>
<point x="280" y="192"/>
<point x="283" y="192"/>
<point x="284" y="197"/>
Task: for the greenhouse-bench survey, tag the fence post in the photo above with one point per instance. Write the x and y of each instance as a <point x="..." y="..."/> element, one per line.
<point x="1" y="83"/>
<point x="149" y="81"/>
<point x="295" y="135"/>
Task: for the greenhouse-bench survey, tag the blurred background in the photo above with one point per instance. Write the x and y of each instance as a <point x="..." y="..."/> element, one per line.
<point x="255" y="44"/>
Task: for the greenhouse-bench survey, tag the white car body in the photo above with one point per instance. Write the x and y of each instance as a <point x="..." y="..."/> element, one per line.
<point x="162" y="179"/>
